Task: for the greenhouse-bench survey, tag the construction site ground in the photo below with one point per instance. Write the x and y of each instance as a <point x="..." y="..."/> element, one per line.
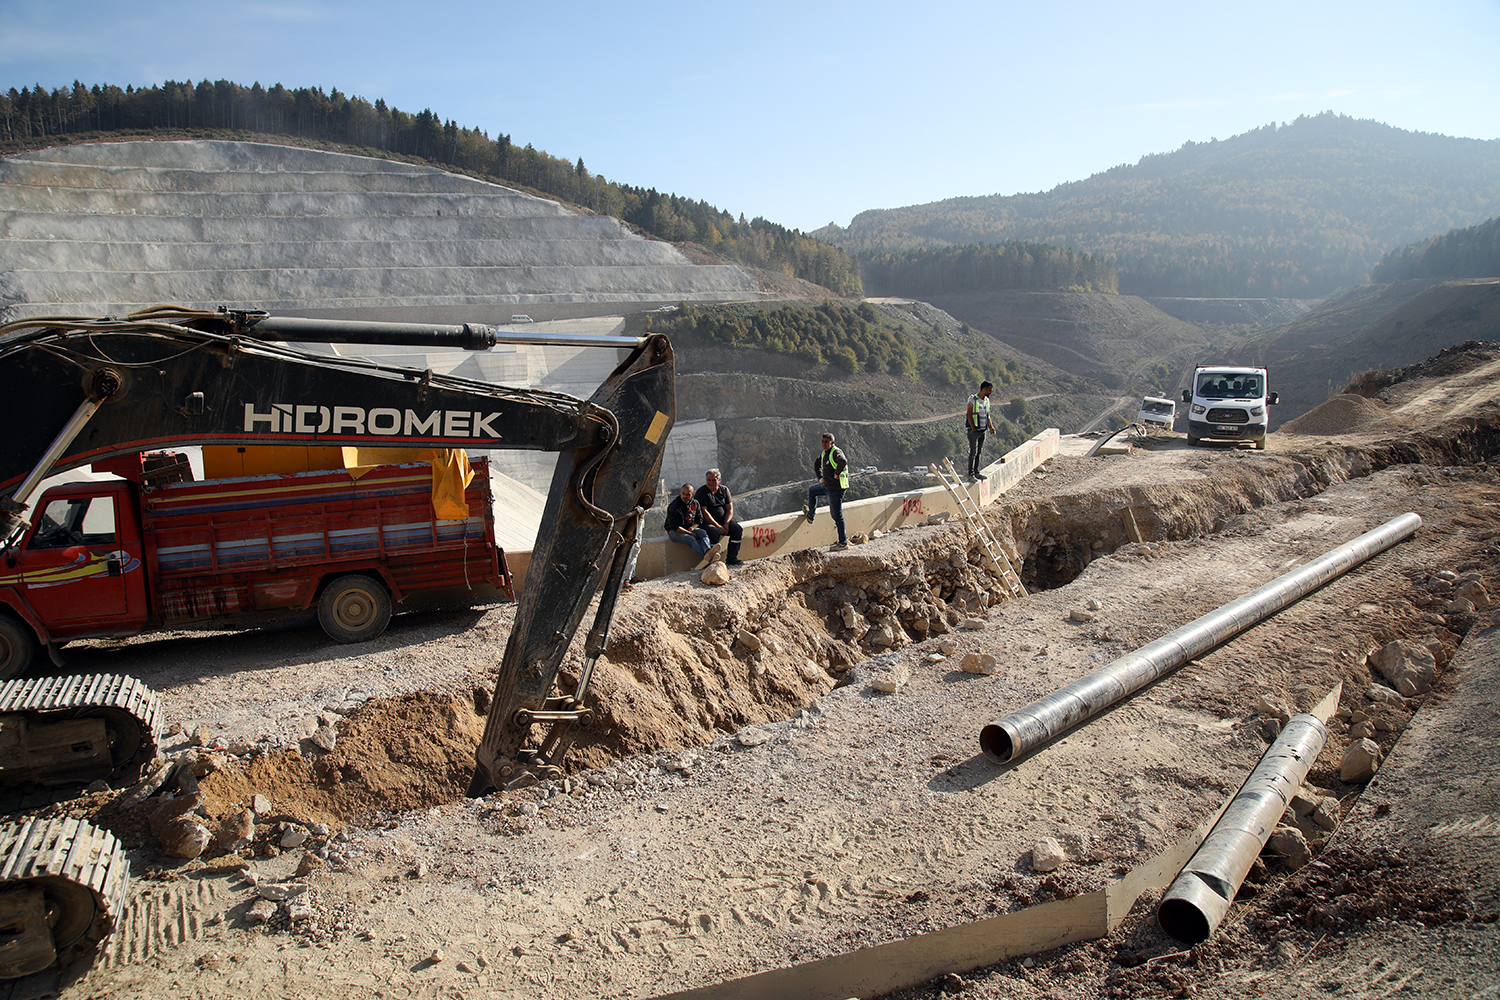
<point x="749" y="799"/>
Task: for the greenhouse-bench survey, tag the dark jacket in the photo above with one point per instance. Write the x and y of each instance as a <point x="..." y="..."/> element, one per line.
<point x="828" y="472"/>
<point x="683" y="515"/>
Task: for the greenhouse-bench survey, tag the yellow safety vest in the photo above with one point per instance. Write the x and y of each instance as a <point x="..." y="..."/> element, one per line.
<point x="843" y="473"/>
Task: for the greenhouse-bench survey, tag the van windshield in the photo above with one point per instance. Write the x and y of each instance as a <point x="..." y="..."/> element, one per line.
<point x="1229" y="385"/>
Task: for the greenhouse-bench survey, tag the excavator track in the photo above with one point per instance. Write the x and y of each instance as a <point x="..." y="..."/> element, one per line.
<point x="62" y="891"/>
<point x="65" y="730"/>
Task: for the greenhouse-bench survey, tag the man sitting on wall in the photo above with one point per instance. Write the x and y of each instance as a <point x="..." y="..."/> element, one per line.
<point x="718" y="515"/>
<point x="685" y="525"/>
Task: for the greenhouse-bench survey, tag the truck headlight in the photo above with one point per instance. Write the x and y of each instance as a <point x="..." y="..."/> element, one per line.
<point x="1257" y="411"/>
<point x="1198" y="408"/>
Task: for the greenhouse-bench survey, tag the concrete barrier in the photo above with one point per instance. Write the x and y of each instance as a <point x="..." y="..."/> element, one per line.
<point x="783" y="533"/>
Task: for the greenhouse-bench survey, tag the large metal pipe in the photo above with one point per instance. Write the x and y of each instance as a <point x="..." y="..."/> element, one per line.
<point x="1197" y="900"/>
<point x="1034" y="725"/>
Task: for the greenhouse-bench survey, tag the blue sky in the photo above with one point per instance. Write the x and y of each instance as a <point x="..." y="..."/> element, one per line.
<point x="810" y="112"/>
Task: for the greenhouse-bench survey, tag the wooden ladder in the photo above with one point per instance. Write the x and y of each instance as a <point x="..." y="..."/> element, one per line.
<point x="1004" y="569"/>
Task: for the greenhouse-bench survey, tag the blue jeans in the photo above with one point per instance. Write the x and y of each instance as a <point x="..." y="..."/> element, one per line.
<point x="835" y="505"/>
<point x="698" y="540"/>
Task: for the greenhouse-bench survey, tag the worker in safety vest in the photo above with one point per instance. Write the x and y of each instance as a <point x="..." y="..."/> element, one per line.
<point x="977" y="422"/>
<point x="832" y="470"/>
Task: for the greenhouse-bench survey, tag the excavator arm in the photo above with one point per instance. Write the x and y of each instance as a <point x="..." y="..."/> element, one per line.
<point x="82" y="390"/>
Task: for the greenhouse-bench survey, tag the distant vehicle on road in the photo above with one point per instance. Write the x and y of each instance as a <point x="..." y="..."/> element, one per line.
<point x="869" y="469"/>
<point x="520" y="318"/>
<point x="1157" y="411"/>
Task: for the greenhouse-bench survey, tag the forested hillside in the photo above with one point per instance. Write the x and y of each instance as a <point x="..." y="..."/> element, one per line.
<point x="929" y="271"/>
<point x="1293" y="211"/>
<point x="32" y="117"/>
<point x="1463" y="253"/>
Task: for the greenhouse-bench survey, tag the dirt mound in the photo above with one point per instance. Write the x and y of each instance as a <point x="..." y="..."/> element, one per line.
<point x="394" y="754"/>
<point x="1346" y="413"/>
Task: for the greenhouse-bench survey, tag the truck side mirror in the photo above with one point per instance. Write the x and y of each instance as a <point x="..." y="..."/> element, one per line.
<point x="1187" y="395"/>
<point x="1273" y="398"/>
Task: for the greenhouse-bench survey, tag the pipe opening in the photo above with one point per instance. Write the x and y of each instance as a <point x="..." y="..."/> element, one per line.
<point x="996" y="743"/>
<point x="1183" y="921"/>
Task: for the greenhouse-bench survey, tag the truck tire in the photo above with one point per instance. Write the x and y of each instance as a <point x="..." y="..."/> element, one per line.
<point x="354" y="608"/>
<point x="1192" y="441"/>
<point x="17" y="647"/>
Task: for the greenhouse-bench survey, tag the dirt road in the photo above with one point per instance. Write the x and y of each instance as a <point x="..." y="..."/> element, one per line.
<point x="750" y="808"/>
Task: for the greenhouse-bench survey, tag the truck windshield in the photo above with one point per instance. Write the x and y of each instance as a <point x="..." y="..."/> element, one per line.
<point x="1229" y="385"/>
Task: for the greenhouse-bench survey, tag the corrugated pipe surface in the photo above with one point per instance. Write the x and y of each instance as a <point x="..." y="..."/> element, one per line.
<point x="1036" y="724"/>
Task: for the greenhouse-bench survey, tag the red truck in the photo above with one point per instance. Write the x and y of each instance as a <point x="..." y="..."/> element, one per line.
<point x="124" y="556"/>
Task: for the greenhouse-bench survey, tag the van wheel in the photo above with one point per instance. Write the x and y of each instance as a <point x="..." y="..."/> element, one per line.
<point x="354" y="608"/>
<point x="1192" y="441"/>
<point x="17" y="647"/>
<point x="1260" y="444"/>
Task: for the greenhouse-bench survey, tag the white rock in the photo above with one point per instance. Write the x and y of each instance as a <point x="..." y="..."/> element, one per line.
<point x="892" y="680"/>
<point x="934" y="657"/>
<point x="260" y="804"/>
<point x="948" y="647"/>
<point x="749" y="639"/>
<point x="260" y="911"/>
<point x="280" y="892"/>
<point x="1081" y="615"/>
<point x="294" y="835"/>
<point x="1094" y="605"/>
<point x="716" y="575"/>
<point x="978" y="663"/>
<point x="1410" y="668"/>
<point x="973" y="624"/>
<point x="1382" y="695"/>
<point x="752" y="736"/>
<point x="1047" y="855"/>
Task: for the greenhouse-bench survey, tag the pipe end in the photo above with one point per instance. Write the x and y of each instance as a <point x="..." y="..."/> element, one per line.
<point x="996" y="743"/>
<point x="1183" y="921"/>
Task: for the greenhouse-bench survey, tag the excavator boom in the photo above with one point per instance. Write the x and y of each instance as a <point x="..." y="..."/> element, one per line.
<point x="82" y="390"/>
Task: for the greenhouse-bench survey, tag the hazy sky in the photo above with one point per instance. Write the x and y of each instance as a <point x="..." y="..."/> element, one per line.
<point x="809" y="112"/>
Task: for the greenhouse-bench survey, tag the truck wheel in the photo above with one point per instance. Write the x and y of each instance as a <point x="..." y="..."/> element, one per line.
<point x="1192" y="441"/>
<point x="354" y="608"/>
<point x="17" y="647"/>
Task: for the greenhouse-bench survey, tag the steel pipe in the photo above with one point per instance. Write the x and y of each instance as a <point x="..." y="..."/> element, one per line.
<point x="1015" y="734"/>
<point x="1198" y="898"/>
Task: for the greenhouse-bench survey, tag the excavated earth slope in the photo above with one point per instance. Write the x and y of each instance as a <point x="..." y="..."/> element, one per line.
<point x="751" y="798"/>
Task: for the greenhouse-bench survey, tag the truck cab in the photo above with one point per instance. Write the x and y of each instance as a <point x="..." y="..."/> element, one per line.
<point x="1228" y="403"/>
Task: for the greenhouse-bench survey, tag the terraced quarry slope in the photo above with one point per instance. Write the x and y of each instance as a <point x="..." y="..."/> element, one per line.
<point x="112" y="227"/>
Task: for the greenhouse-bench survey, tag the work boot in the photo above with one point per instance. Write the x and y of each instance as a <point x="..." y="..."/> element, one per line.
<point x="732" y="557"/>
<point x="807" y="513"/>
<point x="838" y="546"/>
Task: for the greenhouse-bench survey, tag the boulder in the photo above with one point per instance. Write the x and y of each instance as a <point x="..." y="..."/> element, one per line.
<point x="1360" y="762"/>
<point x="1409" y="667"/>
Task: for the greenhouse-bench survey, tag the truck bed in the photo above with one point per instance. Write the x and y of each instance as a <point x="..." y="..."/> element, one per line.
<point x="234" y="545"/>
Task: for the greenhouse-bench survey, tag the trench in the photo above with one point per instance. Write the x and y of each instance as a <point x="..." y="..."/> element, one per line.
<point x="677" y="679"/>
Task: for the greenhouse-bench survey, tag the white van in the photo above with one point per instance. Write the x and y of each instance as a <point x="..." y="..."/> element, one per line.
<point x="520" y="318"/>
<point x="1157" y="411"/>
<point x="1228" y="403"/>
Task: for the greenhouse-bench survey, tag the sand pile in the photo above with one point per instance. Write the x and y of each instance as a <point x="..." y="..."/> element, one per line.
<point x="1346" y="413"/>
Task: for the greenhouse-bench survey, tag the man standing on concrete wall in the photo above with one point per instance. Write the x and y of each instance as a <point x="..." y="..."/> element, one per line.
<point x="832" y="470"/>
<point x="718" y="515"/>
<point x="978" y="424"/>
